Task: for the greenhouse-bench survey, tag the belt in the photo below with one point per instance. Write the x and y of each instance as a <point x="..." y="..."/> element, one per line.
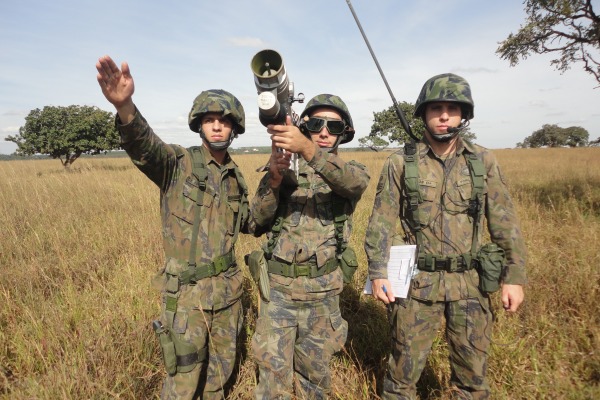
<point x="433" y="262"/>
<point x="198" y="272"/>
<point x="309" y="269"/>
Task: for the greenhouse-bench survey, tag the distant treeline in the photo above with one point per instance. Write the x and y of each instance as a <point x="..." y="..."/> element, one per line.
<point x="121" y="153"/>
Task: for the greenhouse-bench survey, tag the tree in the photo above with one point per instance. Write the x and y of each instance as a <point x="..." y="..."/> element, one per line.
<point x="386" y="128"/>
<point x="66" y="133"/>
<point x="555" y="136"/>
<point x="568" y="28"/>
<point x="576" y="136"/>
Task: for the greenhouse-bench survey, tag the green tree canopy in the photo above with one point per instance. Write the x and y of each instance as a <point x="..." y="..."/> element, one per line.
<point x="555" y="136"/>
<point x="66" y="132"/>
<point x="567" y="28"/>
<point x="387" y="129"/>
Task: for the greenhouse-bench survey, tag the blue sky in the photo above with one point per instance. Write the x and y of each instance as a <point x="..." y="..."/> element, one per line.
<point x="48" y="51"/>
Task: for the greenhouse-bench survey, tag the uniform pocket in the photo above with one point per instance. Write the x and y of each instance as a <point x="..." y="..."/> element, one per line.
<point x="427" y="208"/>
<point x="324" y="208"/>
<point x="425" y="286"/>
<point x="184" y="208"/>
<point x="340" y="331"/>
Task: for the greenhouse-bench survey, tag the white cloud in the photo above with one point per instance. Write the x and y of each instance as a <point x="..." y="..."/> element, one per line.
<point x="246" y="42"/>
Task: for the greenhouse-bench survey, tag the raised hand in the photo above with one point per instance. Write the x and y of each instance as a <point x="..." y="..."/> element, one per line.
<point x="117" y="86"/>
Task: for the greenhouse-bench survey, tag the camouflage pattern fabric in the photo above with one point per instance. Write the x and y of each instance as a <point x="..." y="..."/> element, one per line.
<point x="447" y="230"/>
<point x="308" y="307"/>
<point x="415" y="325"/>
<point x="446" y="87"/>
<point x="170" y="168"/>
<point x="216" y="330"/>
<point x="293" y="344"/>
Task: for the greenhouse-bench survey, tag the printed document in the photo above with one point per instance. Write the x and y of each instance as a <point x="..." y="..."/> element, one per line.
<point x="401" y="266"/>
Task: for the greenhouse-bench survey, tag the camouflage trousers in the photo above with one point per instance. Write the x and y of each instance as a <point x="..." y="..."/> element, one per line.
<point x="218" y="332"/>
<point x="415" y="325"/>
<point x="297" y="339"/>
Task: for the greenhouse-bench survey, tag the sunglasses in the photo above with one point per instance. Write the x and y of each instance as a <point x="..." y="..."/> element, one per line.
<point x="334" y="126"/>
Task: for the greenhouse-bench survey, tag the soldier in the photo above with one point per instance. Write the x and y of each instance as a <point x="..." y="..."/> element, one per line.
<point x="442" y="188"/>
<point x="204" y="206"/>
<point x="300" y="327"/>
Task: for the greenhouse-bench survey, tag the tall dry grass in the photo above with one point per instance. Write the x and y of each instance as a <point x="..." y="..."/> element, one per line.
<point x="78" y="250"/>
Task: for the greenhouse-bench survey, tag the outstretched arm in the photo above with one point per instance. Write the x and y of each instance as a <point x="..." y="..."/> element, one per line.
<point x="117" y="86"/>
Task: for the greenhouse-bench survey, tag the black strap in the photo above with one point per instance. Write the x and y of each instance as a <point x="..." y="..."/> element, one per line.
<point x="192" y="358"/>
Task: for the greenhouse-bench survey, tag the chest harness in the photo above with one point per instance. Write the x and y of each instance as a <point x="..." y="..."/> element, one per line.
<point x="309" y="269"/>
<point x="194" y="272"/>
<point x="415" y="219"/>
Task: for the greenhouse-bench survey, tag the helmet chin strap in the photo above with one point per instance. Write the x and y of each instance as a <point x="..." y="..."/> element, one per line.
<point x="223" y="145"/>
<point x="335" y="145"/>
<point x="451" y="132"/>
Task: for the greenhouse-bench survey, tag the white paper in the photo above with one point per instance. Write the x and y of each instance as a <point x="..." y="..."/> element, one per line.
<point x="400" y="268"/>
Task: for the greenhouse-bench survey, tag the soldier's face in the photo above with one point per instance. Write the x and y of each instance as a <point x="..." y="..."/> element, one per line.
<point x="323" y="138"/>
<point x="441" y="115"/>
<point x="216" y="127"/>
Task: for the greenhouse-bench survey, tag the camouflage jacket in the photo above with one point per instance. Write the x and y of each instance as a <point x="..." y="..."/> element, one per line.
<point x="170" y="168"/>
<point x="308" y="232"/>
<point x="447" y="229"/>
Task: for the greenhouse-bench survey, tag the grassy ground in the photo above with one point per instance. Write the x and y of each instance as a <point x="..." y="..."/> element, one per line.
<point x="78" y="250"/>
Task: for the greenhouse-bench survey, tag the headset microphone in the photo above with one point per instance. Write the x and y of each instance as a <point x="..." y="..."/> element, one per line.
<point x="453" y="130"/>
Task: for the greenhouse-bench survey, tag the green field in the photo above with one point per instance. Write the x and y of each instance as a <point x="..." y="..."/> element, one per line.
<point x="78" y="250"/>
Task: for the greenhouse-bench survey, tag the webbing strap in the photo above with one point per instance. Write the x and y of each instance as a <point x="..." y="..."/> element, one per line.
<point x="199" y="272"/>
<point x="243" y="209"/>
<point x="338" y="204"/>
<point x="276" y="228"/>
<point x="413" y="194"/>
<point x="339" y="219"/>
<point x="477" y="170"/>
<point x="219" y="264"/>
<point x="414" y="197"/>
<point x="192" y="358"/>
<point x="309" y="269"/>
<point x="438" y="262"/>
<point x="171" y="296"/>
<point x="201" y="173"/>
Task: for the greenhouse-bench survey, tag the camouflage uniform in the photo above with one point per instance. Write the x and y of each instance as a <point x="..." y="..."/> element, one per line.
<point x="447" y="230"/>
<point x="209" y="312"/>
<point x="301" y="326"/>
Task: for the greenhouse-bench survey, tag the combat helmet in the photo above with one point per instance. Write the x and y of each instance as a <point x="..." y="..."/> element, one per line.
<point x="335" y="102"/>
<point x="446" y="87"/>
<point x="218" y="101"/>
